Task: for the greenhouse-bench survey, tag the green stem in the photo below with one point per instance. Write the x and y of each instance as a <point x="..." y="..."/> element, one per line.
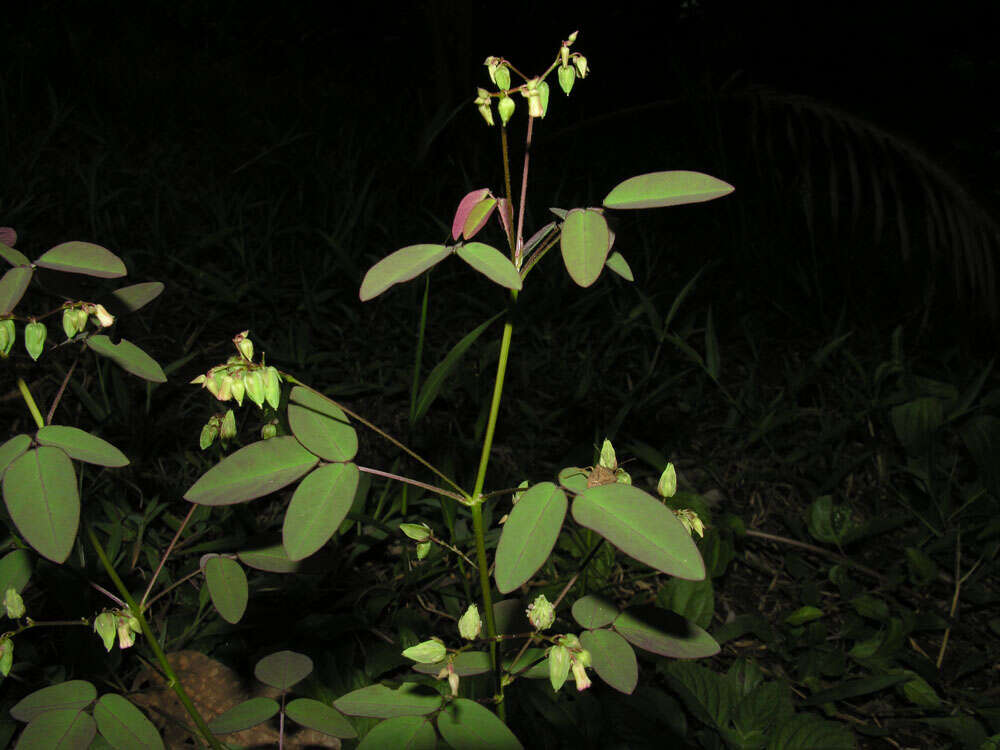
<point x="147" y="631"/>
<point x="30" y="401"/>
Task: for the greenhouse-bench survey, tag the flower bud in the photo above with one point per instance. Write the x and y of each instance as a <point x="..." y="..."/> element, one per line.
<point x="492" y="63"/>
<point x="501" y="77"/>
<point x="470" y="623"/>
<point x="623" y="477"/>
<point x="667" y="486"/>
<point x="7" y="335"/>
<point x="608" y="459"/>
<point x="128" y="626"/>
<point x="428" y="652"/>
<point x="543" y="97"/>
<point x="541" y="613"/>
<point x="691" y="521"/>
<point x="272" y="387"/>
<point x="69" y="322"/>
<point x="567" y="77"/>
<point x="13" y="603"/>
<point x="506" y="109"/>
<point x="244" y="345"/>
<point x="34" y="338"/>
<point x="558" y="666"/>
<point x="227" y="430"/>
<point x="269" y="430"/>
<point x="238" y="387"/>
<point x="6" y="655"/>
<point x="581" y="65"/>
<point x="209" y="432"/>
<point x="564" y="56"/>
<point x="254" y="382"/>
<point x="418" y="532"/>
<point x="422" y="549"/>
<point x="104" y="626"/>
<point x="580" y="674"/>
<point x="103" y="316"/>
<point x="571" y="38"/>
<point x="453" y="680"/>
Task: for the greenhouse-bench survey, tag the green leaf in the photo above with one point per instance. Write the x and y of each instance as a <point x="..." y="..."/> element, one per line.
<point x="465" y="664"/>
<point x="967" y="731"/>
<point x="491" y="263"/>
<point x="803" y="615"/>
<point x="82" y="445"/>
<point x="320" y="717"/>
<point x="283" y="669"/>
<point x="39" y="488"/>
<point x="435" y="380"/>
<point x="466" y="725"/>
<point x="766" y="705"/>
<point x="918" y="691"/>
<point x="123" y="725"/>
<point x="321" y="426"/>
<point x="585" y="242"/>
<point x="381" y="702"/>
<point x="612" y="658"/>
<point x="594" y="611"/>
<point x="916" y="421"/>
<point x="247" y="714"/>
<point x="138" y="296"/>
<point x="227" y="585"/>
<point x="271" y="559"/>
<point x="854" y="688"/>
<point x="59" y="729"/>
<point x="870" y="606"/>
<point x="529" y="535"/>
<point x="711" y="697"/>
<point x="73" y="695"/>
<point x="829" y="522"/>
<point x="13" y="285"/>
<point x="320" y="503"/>
<point x="253" y="471"/>
<point x="573" y="479"/>
<point x="672" y="188"/>
<point x="617" y="263"/>
<point x="402" y="265"/>
<point x="641" y="527"/>
<point x="807" y="732"/>
<point x="12" y="256"/>
<point x="129" y="357"/>
<point x="83" y="257"/>
<point x="665" y="633"/>
<point x="401" y="733"/>
<point x="12" y="449"/>
<point x="15" y="570"/>
<point x="694" y="600"/>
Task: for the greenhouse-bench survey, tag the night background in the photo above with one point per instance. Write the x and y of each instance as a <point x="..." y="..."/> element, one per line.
<point x="825" y="389"/>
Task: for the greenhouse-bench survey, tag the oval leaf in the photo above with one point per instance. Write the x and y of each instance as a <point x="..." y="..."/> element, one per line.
<point x="617" y="263"/>
<point x="478" y="217"/>
<point x="283" y="669"/>
<point x="138" y="295"/>
<point x="529" y="535"/>
<point x="672" y="188"/>
<point x="12" y="449"/>
<point x="123" y="725"/>
<point x="612" y="658"/>
<point x="61" y="729"/>
<point x="381" y="702"/>
<point x="594" y="611"/>
<point x="322" y="427"/>
<point x="491" y="263"/>
<point x="83" y="257"/>
<point x="227" y="585"/>
<point x="402" y="265"/>
<point x="13" y="285"/>
<point x="73" y="695"/>
<point x="7" y="252"/>
<point x="81" y="445"/>
<point x="465" y="664"/>
<point x="15" y="570"/>
<point x="247" y="714"/>
<point x="641" y="527"/>
<point x="39" y="488"/>
<point x="271" y="559"/>
<point x="401" y="733"/>
<point x="465" y="725"/>
<point x="465" y="207"/>
<point x="584" y="243"/>
<point x="320" y="717"/>
<point x="320" y="503"/>
<point x="253" y="471"/>
<point x="665" y="633"/>
<point x="574" y="479"/>
<point x="129" y="357"/>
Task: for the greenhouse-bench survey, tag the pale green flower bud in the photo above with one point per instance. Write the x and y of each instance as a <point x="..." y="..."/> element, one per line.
<point x="506" y="109"/>
<point x="667" y="486"/>
<point x="227" y="430"/>
<point x="13" y="603"/>
<point x="209" y="432"/>
<point x="492" y="63"/>
<point x="543" y="97"/>
<point x="69" y="322"/>
<point x="581" y="65"/>
<point x="691" y="521"/>
<point x="244" y="345"/>
<point x="558" y="666"/>
<point x="272" y="387"/>
<point x="487" y="113"/>
<point x="238" y="387"/>
<point x="428" y="652"/>
<point x="501" y="77"/>
<point x="34" y="338"/>
<point x="470" y="624"/>
<point x="608" y="458"/>
<point x="418" y="532"/>
<point x="571" y="642"/>
<point x="422" y="549"/>
<point x="564" y="56"/>
<point x="104" y="626"/>
<point x="571" y="38"/>
<point x="623" y="477"/>
<point x="453" y="680"/>
<point x="254" y="382"/>
<point x="269" y="430"/>
<point x="128" y="626"/>
<point x="580" y="675"/>
<point x="541" y="613"/>
<point x="7" y="336"/>
<point x="567" y="77"/>
<point x="6" y="656"/>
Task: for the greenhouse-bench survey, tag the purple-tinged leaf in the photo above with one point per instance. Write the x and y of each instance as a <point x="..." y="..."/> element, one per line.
<point x="465" y="206"/>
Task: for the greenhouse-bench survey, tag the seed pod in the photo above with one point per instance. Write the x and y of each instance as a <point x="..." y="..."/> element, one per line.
<point x="567" y="77"/>
<point x="506" y="109"/>
<point x="34" y="338"/>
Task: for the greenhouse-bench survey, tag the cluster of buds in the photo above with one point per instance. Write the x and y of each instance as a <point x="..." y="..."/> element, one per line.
<point x="607" y="470"/>
<point x="569" y="655"/>
<point x="116" y="622"/>
<point x="239" y="376"/>
<point x="690" y="521"/>
<point x="76" y="315"/>
<point x="222" y="426"/>
<point x="571" y="66"/>
<point x="541" y="614"/>
<point x="421" y="534"/>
